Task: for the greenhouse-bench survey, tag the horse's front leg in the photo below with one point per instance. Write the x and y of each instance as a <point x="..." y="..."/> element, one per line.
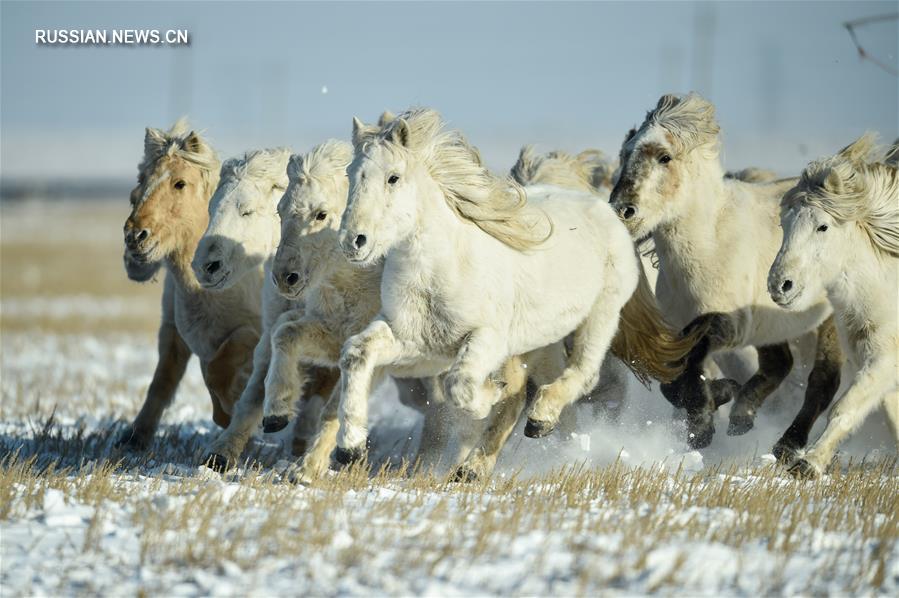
<point x="479" y="463"/>
<point x="361" y="355"/>
<point x="874" y="383"/>
<point x="690" y="391"/>
<point x="294" y="341"/>
<point x="823" y="382"/>
<point x="173" y="357"/>
<point x="775" y="363"/>
<point x="467" y="383"/>
<point x="228" y="372"/>
<point x="227" y="447"/>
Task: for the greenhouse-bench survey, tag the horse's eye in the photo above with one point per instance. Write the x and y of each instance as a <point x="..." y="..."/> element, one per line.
<point x="321" y="216"/>
<point x="822" y="228"/>
<point x="180" y="185"/>
<point x="246" y="213"/>
<point x="392" y="179"/>
<point x="665" y="159"/>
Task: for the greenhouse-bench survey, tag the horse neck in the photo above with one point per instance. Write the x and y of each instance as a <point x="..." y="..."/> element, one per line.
<point x="692" y="234"/>
<point x="864" y="291"/>
<point x="438" y="237"/>
<point x="179" y="261"/>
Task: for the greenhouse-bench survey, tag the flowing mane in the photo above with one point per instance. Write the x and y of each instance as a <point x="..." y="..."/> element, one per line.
<point x="587" y="171"/>
<point x="690" y="120"/>
<point x="497" y="206"/>
<point x="264" y="165"/>
<point x="851" y="187"/>
<point x="182" y="142"/>
<point x="323" y="162"/>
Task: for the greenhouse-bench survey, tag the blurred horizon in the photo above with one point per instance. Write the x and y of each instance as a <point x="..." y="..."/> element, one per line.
<point x="785" y="77"/>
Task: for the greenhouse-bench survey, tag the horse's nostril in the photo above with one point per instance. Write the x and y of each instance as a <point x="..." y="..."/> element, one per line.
<point x="786" y="286"/>
<point x="141" y="235"/>
<point x="292" y="279"/>
<point x="629" y="212"/>
<point x="359" y="241"/>
<point x="212" y="267"/>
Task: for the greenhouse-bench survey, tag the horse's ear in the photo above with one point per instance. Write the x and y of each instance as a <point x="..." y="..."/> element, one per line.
<point x="399" y="134"/>
<point x="359" y="130"/>
<point x="667" y="100"/>
<point x="192" y="143"/>
<point x="860" y="149"/>
<point x="892" y="155"/>
<point x="386" y="118"/>
<point x="153" y="140"/>
<point x="522" y="168"/>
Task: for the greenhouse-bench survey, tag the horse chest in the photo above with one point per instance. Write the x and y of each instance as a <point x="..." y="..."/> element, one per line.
<point x="205" y="320"/>
<point x="421" y="316"/>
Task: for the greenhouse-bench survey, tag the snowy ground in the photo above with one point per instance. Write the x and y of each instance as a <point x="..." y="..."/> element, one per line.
<point x="621" y="508"/>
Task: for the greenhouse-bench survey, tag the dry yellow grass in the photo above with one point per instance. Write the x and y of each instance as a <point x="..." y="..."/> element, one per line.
<point x="77" y="516"/>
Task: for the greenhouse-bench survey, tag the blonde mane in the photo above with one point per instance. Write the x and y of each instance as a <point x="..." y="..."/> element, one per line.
<point x="689" y="119"/>
<point x="323" y="162"/>
<point x="181" y="142"/>
<point x="587" y="171"/>
<point x="497" y="206"/>
<point x="265" y="165"/>
<point x="851" y="187"/>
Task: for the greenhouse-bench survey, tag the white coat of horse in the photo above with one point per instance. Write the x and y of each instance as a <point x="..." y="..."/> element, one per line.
<point x="841" y="236"/>
<point x="476" y="270"/>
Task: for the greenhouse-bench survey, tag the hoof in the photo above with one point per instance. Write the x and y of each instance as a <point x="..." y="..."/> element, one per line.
<point x="700" y="433"/>
<point x="723" y="391"/>
<point x="131" y="442"/>
<point x="216" y="462"/>
<point x="739" y="425"/>
<point x="345" y="457"/>
<point x="465" y="475"/>
<point x="274" y="423"/>
<point x="785" y="452"/>
<point x="803" y="470"/>
<point x="538" y="429"/>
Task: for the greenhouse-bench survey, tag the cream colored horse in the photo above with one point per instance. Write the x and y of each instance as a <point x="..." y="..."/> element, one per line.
<point x="715" y="239"/>
<point x="169" y="213"/>
<point x="477" y="270"/>
<point x="841" y="236"/>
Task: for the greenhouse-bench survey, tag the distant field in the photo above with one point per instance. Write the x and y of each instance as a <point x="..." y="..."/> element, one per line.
<point x="621" y="508"/>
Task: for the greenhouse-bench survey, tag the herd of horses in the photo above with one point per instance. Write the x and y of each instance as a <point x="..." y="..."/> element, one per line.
<point x="302" y="281"/>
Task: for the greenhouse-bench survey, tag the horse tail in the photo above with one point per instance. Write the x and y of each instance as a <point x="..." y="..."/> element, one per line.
<point x="646" y="342"/>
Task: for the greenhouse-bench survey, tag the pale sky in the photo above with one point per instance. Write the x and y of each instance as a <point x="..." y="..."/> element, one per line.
<point x="785" y="77"/>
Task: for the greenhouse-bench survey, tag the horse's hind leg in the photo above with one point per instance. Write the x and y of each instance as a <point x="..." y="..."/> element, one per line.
<point x="173" y="358"/>
<point x="481" y="460"/>
<point x="690" y="391"/>
<point x="775" y="363"/>
<point x="315" y="395"/>
<point x="823" y="382"/>
<point x="317" y="459"/>
<point x="591" y="343"/>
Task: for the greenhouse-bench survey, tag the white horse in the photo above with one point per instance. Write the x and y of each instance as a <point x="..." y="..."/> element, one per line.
<point x="177" y="176"/>
<point x="340" y="300"/>
<point x="715" y="239"/>
<point x="236" y="249"/>
<point x="476" y="271"/>
<point x="841" y="235"/>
